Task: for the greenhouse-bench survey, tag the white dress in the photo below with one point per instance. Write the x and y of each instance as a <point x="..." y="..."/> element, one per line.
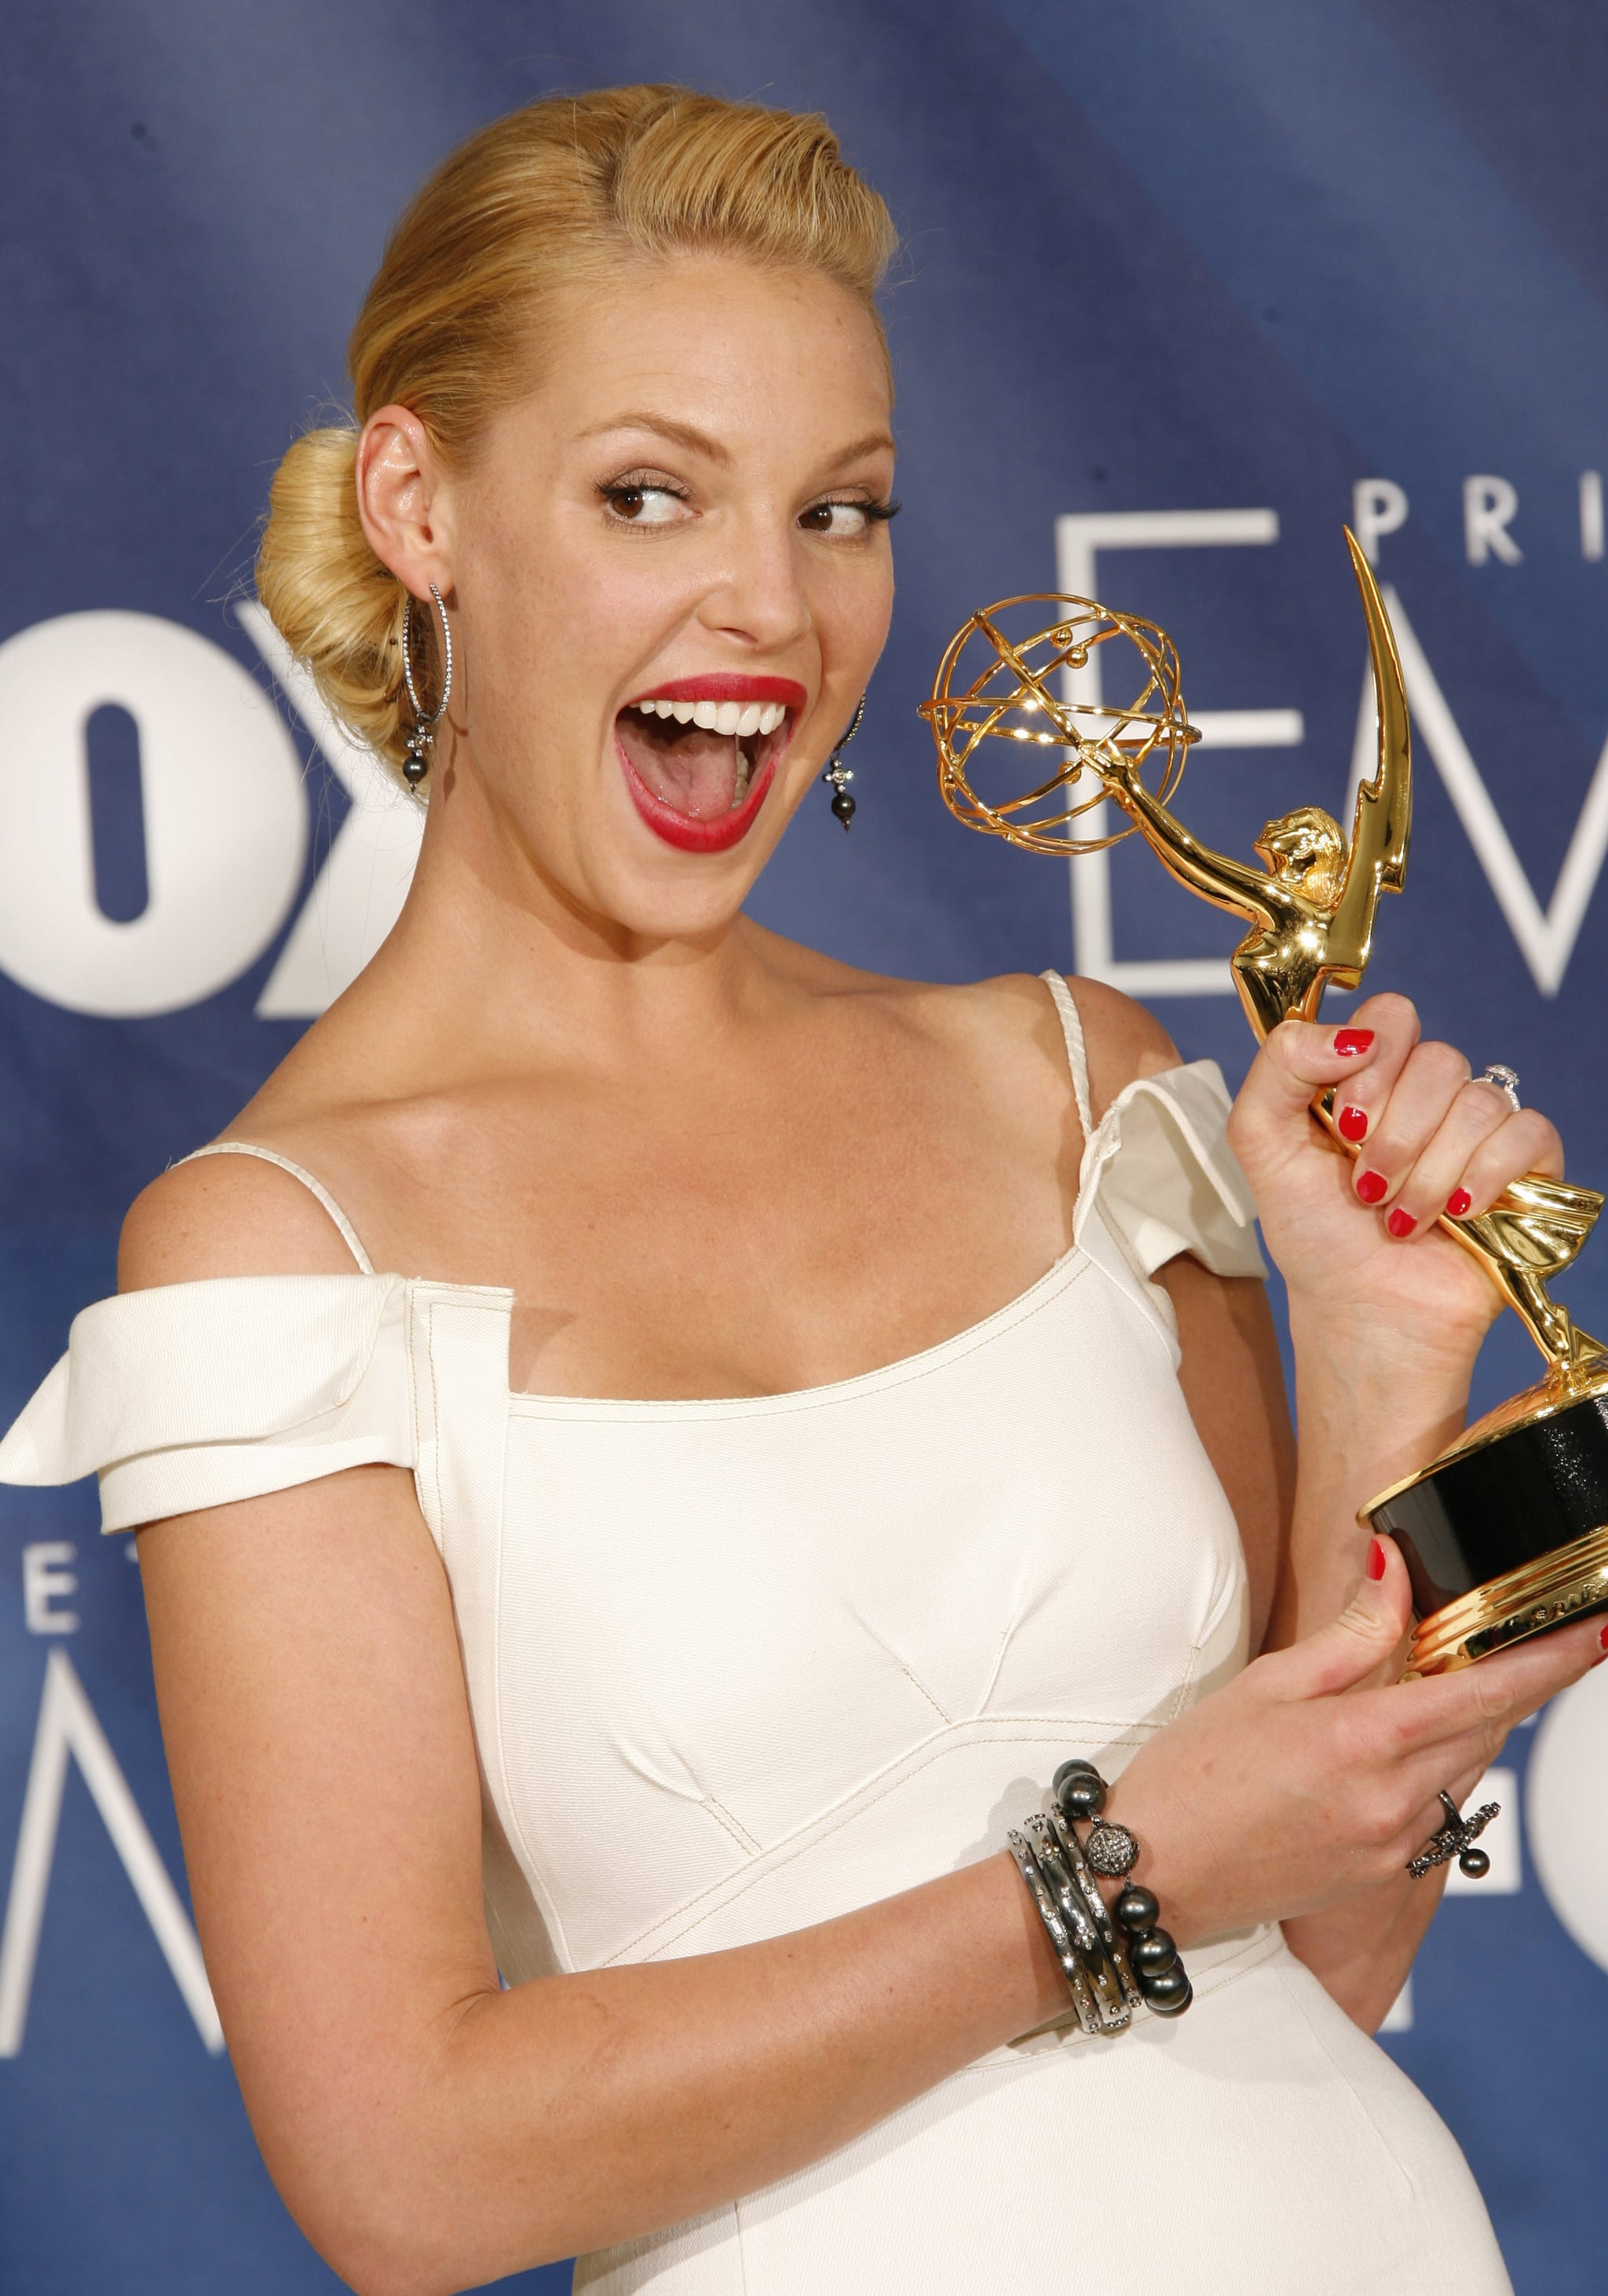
<point x="739" y="1666"/>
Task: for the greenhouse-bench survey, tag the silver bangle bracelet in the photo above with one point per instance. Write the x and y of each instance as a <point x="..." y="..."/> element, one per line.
<point x="1110" y="1933"/>
<point x="1099" y="1963"/>
<point x="1060" y="1937"/>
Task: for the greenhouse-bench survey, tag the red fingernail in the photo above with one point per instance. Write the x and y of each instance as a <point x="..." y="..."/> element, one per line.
<point x="1352" y="1123"/>
<point x="1458" y="1203"/>
<point x="1352" y="1040"/>
<point x="1375" y="1561"/>
<point x="1602" y="1640"/>
<point x="1401" y="1223"/>
<point x="1371" y="1186"/>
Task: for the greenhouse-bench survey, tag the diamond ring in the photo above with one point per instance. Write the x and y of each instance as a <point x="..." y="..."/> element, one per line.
<point x="1506" y="1082"/>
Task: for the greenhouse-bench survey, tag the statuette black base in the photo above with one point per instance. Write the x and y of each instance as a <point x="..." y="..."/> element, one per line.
<point x="1506" y="1534"/>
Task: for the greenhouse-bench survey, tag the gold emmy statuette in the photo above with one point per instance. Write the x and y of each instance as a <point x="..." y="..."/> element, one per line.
<point x="1505" y="1533"/>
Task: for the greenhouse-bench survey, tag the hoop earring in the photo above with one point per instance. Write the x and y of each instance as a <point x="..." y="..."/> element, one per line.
<point x="838" y="774"/>
<point x="422" y="740"/>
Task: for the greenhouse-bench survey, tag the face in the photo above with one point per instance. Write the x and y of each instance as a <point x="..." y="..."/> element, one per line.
<point x="672" y="578"/>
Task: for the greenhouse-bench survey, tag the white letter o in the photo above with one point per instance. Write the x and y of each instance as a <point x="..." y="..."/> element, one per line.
<point x="226" y="819"/>
<point x="1566" y="1806"/>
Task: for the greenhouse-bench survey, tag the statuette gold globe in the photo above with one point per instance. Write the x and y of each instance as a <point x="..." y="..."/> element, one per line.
<point x="1008" y="680"/>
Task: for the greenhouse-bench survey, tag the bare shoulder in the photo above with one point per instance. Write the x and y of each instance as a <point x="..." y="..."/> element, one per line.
<point x="226" y="1216"/>
<point x="1011" y="1024"/>
<point x="1122" y="1039"/>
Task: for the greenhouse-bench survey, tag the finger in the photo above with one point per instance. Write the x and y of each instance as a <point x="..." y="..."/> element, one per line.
<point x="1403" y="1126"/>
<point x="1457" y="1765"/>
<point x="1462" y="1785"/>
<point x="1430" y="1816"/>
<point x="1525" y="1143"/>
<point x="1430" y="1185"/>
<point x="1359" y="1106"/>
<point x="1363" y="1642"/>
<point x="1480" y="1703"/>
<point x="1460" y="1782"/>
<point x="1301" y="1058"/>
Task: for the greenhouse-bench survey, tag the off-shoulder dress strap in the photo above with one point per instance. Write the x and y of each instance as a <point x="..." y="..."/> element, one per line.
<point x="1072" y="1029"/>
<point x="1158" y="1177"/>
<point x="315" y="1187"/>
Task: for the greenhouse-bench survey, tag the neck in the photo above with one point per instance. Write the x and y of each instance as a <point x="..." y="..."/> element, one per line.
<point x="496" y="965"/>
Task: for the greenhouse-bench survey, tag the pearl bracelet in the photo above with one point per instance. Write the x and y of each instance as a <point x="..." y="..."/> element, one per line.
<point x="1110" y="1965"/>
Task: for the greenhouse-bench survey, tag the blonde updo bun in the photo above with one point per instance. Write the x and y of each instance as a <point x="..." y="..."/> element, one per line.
<point x="559" y="195"/>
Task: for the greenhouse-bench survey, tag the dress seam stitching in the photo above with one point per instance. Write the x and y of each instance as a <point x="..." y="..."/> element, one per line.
<point x="738" y="1832"/>
<point x="811" y="1837"/>
<point x="921" y="1688"/>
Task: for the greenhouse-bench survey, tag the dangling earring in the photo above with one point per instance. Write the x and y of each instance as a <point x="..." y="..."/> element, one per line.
<point x="840" y="774"/>
<point x="422" y="740"/>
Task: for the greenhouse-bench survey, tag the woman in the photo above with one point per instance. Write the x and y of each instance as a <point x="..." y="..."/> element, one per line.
<point x="459" y="1579"/>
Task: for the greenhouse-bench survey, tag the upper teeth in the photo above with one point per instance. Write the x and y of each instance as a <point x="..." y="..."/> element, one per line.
<point x="738" y="718"/>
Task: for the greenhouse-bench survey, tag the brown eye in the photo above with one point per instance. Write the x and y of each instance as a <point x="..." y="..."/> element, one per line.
<point x="849" y="521"/>
<point x="640" y="503"/>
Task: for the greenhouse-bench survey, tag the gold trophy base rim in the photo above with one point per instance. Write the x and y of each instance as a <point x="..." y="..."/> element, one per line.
<point x="1565" y="1584"/>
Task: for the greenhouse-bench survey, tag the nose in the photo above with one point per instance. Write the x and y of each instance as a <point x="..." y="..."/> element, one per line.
<point x="761" y="597"/>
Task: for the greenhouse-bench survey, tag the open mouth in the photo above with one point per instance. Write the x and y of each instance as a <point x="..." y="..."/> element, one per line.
<point x="699" y="754"/>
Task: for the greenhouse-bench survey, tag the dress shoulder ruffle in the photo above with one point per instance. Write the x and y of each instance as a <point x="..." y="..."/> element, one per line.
<point x="194" y="1395"/>
<point x="1159" y="1179"/>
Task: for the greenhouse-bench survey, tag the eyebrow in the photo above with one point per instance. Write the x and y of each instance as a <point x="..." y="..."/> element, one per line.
<point x="870" y="444"/>
<point x="699" y="442"/>
<point x="681" y="434"/>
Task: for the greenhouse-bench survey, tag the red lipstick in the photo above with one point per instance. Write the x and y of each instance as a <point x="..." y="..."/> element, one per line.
<point x="712" y="832"/>
<point x="725" y="685"/>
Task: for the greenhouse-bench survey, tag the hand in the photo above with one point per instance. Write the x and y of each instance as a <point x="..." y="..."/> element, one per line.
<point x="1357" y="1242"/>
<point x="1314" y="1776"/>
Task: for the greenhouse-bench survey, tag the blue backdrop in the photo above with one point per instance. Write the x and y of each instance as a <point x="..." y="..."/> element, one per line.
<point x="1185" y="284"/>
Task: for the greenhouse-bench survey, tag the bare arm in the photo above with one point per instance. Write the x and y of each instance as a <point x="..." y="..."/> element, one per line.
<point x="1304" y="1551"/>
<point x="427" y="2130"/>
<point x="1386" y="1330"/>
<point x="1233" y="1384"/>
<point x="1362" y="1950"/>
<point x="1233" y="1380"/>
<point x="1231" y="1375"/>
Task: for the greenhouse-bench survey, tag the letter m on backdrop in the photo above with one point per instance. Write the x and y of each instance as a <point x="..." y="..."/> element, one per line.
<point x="68" y="1728"/>
<point x="1546" y="937"/>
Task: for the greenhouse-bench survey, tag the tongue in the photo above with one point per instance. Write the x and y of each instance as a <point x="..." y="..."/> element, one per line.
<point x="694" y="774"/>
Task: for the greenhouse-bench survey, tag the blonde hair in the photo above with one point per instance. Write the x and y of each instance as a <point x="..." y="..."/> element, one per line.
<point x="558" y="195"/>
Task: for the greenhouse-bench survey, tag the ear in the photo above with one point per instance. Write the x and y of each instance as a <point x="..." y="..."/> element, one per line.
<point x="403" y="500"/>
